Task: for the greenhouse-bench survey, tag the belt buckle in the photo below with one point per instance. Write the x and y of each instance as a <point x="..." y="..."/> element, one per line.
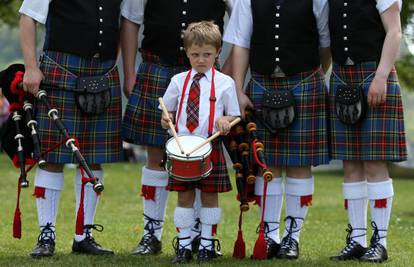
<point x="278" y="73"/>
<point x="349" y="62"/>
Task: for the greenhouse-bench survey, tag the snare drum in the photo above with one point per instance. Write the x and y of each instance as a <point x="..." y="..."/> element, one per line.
<point x="188" y="168"/>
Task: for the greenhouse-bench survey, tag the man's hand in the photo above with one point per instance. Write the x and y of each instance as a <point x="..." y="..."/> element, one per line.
<point x="129" y="83"/>
<point x="32" y="79"/>
<point x="244" y="103"/>
<point x="377" y="91"/>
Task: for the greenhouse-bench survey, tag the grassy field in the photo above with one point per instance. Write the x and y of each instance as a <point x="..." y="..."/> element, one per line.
<point x="120" y="211"/>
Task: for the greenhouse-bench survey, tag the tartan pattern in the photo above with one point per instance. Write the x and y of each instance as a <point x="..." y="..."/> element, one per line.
<point x="380" y="136"/>
<point x="193" y="103"/>
<point x="304" y="142"/>
<point x="217" y="182"/>
<point x="99" y="136"/>
<point x="142" y="119"/>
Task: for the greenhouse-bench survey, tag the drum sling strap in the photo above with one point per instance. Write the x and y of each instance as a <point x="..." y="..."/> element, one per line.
<point x="212" y="101"/>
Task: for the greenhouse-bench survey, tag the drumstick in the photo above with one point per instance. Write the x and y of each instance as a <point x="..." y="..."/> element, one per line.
<point x="165" y="111"/>
<point x="211" y="138"/>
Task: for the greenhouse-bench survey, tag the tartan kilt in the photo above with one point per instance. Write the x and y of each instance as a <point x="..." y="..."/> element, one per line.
<point x="99" y="136"/>
<point x="142" y="118"/>
<point x="217" y="182"/>
<point x="380" y="136"/>
<point x="304" y="142"/>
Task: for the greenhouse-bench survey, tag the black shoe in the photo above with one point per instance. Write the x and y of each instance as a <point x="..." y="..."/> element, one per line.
<point x="149" y="244"/>
<point x="289" y="247"/>
<point x="207" y="253"/>
<point x="182" y="254"/>
<point x="272" y="248"/>
<point x="353" y="250"/>
<point x="89" y="245"/>
<point x="376" y="252"/>
<point x="45" y="246"/>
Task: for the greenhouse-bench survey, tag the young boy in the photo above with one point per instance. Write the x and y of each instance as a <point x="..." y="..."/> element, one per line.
<point x="202" y="43"/>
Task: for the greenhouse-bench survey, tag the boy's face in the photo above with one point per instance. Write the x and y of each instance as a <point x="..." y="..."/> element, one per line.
<point x="202" y="58"/>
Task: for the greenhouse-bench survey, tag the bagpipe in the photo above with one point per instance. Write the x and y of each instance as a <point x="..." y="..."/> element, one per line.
<point x="21" y="140"/>
<point x="247" y="154"/>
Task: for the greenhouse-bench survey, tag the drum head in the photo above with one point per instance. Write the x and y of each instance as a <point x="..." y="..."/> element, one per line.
<point x="188" y="142"/>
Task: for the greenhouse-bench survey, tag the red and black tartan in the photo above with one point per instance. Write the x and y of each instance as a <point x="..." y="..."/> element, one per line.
<point x="380" y="136"/>
<point x="99" y="136"/>
<point x="217" y="182"/>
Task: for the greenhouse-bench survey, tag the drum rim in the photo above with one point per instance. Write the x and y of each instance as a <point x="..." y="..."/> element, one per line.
<point x="185" y="157"/>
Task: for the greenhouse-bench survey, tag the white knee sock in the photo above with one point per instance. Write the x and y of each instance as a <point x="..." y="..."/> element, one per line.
<point x="209" y="217"/>
<point x="298" y="197"/>
<point x="48" y="186"/>
<point x="380" y="196"/>
<point x="273" y="208"/>
<point x="184" y="220"/>
<point x="356" y="202"/>
<point x="155" y="198"/>
<point x="90" y="201"/>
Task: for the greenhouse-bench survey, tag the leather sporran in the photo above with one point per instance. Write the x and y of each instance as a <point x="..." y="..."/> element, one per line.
<point x="278" y="109"/>
<point x="93" y="94"/>
<point x="350" y="104"/>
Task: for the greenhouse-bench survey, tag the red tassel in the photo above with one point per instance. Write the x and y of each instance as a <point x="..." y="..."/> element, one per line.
<point x="346" y="204"/>
<point x="306" y="201"/>
<point x="39" y="192"/>
<point x="17" y="224"/>
<point x="148" y="192"/>
<point x="239" y="251"/>
<point x="260" y="248"/>
<point x="80" y="214"/>
<point x="380" y="203"/>
<point x="214" y="230"/>
<point x="177" y="229"/>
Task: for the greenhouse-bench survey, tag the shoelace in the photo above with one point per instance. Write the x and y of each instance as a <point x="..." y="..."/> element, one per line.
<point x="215" y="243"/>
<point x="176" y="244"/>
<point x="46" y="234"/>
<point x="267" y="229"/>
<point x="88" y="232"/>
<point x="151" y="226"/>
<point x="350" y="243"/>
<point x="373" y="249"/>
<point x="288" y="241"/>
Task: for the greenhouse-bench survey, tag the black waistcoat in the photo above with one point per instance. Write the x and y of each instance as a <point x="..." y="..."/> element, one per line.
<point x="285" y="37"/>
<point x="83" y="27"/>
<point x="356" y="30"/>
<point x="165" y="21"/>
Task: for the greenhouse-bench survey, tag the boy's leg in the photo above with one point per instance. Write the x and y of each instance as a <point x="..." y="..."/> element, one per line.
<point x="274" y="201"/>
<point x="85" y="243"/>
<point x="184" y="220"/>
<point x="299" y="192"/>
<point x="48" y="186"/>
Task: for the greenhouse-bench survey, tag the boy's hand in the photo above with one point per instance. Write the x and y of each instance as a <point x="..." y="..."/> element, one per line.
<point x="223" y="125"/>
<point x="166" y="120"/>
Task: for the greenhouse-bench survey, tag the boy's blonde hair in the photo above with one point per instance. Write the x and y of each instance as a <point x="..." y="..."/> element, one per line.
<point x="201" y="33"/>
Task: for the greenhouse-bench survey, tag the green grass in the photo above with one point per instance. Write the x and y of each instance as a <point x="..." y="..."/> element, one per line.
<point x="120" y="211"/>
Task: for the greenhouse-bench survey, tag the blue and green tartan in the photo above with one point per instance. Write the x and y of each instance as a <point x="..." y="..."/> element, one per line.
<point x="380" y="136"/>
<point x="305" y="141"/>
<point x="142" y="119"/>
<point x="99" y="136"/>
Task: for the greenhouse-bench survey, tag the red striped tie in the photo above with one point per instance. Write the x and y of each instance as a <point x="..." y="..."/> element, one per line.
<point x="193" y="103"/>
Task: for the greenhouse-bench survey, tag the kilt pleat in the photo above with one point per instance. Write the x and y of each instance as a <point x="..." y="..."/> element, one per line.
<point x="99" y="136"/>
<point x="304" y="142"/>
<point x="381" y="135"/>
<point x="142" y="118"/>
<point x="217" y="182"/>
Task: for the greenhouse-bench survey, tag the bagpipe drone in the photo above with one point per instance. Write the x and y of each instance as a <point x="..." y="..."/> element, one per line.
<point x="21" y="140"/>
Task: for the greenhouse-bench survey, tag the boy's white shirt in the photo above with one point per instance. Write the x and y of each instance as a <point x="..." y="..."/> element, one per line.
<point x="226" y="99"/>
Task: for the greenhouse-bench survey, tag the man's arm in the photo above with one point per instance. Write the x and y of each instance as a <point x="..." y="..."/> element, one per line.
<point x="129" y="45"/>
<point x="240" y="63"/>
<point x="33" y="76"/>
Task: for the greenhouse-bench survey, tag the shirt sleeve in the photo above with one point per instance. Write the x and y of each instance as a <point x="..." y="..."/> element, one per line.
<point x="36" y="9"/>
<point x="133" y="10"/>
<point x="321" y="11"/>
<point x="240" y="27"/>
<point x="383" y="5"/>
<point x="230" y="102"/>
<point x="171" y="95"/>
